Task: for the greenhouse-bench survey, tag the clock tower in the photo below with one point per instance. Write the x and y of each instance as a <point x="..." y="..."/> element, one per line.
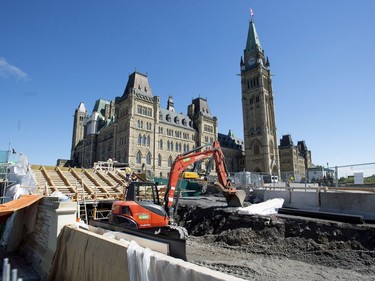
<point x="258" y="110"/>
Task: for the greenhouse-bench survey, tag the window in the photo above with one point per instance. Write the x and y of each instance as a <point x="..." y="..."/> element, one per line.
<point x="148" y="140"/>
<point x="139" y="157"/>
<point x="144" y="110"/>
<point x="139" y="139"/>
<point x="159" y="160"/>
<point x="256" y="149"/>
<point x="170" y="161"/>
<point x="148" y="158"/>
<point x="161" y="144"/>
<point x="144" y="140"/>
<point x="208" y="128"/>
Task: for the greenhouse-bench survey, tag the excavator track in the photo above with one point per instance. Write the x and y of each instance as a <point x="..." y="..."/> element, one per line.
<point x="178" y="231"/>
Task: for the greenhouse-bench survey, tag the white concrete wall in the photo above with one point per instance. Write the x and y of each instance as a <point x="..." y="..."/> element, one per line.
<point x="351" y="203"/>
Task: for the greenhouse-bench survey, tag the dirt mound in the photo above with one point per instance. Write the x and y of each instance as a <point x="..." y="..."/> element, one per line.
<point x="225" y="236"/>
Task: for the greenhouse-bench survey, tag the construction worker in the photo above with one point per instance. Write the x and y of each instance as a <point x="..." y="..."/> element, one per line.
<point x="128" y="172"/>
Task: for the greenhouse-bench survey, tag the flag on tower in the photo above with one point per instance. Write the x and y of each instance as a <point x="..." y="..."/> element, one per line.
<point x="251" y="12"/>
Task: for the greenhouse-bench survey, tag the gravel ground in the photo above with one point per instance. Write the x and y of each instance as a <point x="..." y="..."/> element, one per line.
<point x="277" y="247"/>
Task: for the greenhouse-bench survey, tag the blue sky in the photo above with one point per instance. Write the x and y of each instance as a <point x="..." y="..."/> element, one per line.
<point x="56" y="54"/>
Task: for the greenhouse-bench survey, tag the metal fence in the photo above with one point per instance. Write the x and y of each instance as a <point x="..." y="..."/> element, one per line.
<point x="356" y="175"/>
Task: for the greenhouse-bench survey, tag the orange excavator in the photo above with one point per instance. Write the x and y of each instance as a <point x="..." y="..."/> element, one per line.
<point x="142" y="208"/>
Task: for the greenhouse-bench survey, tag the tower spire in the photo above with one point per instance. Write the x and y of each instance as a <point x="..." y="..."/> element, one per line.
<point x="253" y="42"/>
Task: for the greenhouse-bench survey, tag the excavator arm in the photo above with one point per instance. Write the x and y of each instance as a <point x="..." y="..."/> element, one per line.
<point x="233" y="196"/>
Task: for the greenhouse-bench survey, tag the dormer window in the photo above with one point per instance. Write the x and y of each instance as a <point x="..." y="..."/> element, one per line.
<point x="177" y="120"/>
<point x="139" y="87"/>
<point x="168" y="118"/>
<point x="146" y="89"/>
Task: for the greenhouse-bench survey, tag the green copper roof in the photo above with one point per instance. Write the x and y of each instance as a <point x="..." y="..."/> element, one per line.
<point x="100" y="106"/>
<point x="253" y="42"/>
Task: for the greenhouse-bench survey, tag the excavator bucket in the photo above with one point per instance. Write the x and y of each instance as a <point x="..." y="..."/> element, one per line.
<point x="235" y="199"/>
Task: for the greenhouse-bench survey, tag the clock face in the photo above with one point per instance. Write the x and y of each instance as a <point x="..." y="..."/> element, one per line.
<point x="251" y="61"/>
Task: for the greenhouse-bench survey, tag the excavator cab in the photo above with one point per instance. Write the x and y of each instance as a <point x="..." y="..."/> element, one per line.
<point x="141" y="208"/>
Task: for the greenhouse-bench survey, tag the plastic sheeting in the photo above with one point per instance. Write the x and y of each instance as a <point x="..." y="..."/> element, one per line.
<point x="268" y="207"/>
<point x="146" y="265"/>
<point x="22" y="174"/>
<point x="23" y="213"/>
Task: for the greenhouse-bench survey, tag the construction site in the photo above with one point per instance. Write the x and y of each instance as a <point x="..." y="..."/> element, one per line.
<point x="63" y="223"/>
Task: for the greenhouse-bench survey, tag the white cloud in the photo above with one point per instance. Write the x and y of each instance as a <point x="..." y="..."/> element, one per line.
<point x="8" y="70"/>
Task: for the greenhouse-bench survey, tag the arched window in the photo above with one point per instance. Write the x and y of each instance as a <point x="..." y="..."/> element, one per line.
<point x="168" y="145"/>
<point x="159" y="160"/>
<point x="170" y="161"/>
<point x="144" y="140"/>
<point x="161" y="144"/>
<point x="139" y="139"/>
<point x="139" y="157"/>
<point x="256" y="149"/>
<point x="148" y="158"/>
<point x="148" y="140"/>
<point x="171" y="145"/>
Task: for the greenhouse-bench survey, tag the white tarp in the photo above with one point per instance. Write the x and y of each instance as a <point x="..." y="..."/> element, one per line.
<point x="268" y="207"/>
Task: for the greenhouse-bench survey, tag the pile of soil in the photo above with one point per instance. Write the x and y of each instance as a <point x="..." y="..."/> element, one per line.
<point x="277" y="247"/>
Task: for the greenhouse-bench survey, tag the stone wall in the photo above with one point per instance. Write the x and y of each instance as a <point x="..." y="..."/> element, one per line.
<point x="39" y="246"/>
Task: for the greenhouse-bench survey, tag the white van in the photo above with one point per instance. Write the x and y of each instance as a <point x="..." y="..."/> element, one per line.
<point x="274" y="179"/>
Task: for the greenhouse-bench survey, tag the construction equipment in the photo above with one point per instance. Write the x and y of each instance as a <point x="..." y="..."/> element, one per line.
<point x="142" y="208"/>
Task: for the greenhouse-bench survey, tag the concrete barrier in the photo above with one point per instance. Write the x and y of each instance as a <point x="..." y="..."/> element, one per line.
<point x="346" y="202"/>
<point x="354" y="203"/>
<point x="84" y="255"/>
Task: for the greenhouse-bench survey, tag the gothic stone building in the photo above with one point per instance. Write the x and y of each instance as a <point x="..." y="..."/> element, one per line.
<point x="234" y="152"/>
<point x="295" y="160"/>
<point x="135" y="129"/>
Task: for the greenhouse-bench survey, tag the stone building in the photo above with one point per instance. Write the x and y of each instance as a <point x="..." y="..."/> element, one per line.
<point x="135" y="129"/>
<point x="234" y="151"/>
<point x="258" y="109"/>
<point x="295" y="160"/>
